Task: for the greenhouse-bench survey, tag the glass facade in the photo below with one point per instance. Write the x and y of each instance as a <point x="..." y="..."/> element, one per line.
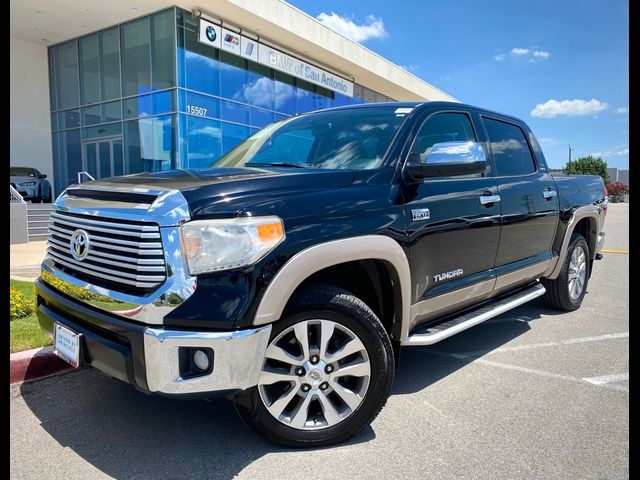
<point x="147" y="96"/>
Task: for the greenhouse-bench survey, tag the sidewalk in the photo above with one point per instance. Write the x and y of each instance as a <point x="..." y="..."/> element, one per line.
<point x="25" y="260"/>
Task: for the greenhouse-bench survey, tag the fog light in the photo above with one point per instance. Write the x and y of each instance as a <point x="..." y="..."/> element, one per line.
<point x="201" y="360"/>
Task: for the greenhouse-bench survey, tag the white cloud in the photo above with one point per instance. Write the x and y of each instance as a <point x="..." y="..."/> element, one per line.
<point x="519" y="51"/>
<point x="546" y="140"/>
<point x="212" y="131"/>
<point x="498" y="57"/>
<point x="410" y="68"/>
<point x="622" y="110"/>
<point x="541" y="54"/>
<point x="372" y="27"/>
<point x="570" y="108"/>
<point x="612" y="153"/>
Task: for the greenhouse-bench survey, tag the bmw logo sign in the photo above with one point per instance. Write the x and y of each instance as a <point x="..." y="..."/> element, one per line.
<point x="211" y="34"/>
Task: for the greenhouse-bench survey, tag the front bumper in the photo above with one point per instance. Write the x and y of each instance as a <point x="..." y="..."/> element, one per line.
<point x="148" y="357"/>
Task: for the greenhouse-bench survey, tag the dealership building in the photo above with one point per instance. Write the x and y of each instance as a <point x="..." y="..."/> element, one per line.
<point x="126" y="86"/>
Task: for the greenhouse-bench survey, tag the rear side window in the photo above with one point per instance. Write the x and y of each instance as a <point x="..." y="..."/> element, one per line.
<point x="510" y="149"/>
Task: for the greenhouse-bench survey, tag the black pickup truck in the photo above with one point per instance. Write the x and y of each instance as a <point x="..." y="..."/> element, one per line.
<point x="288" y="275"/>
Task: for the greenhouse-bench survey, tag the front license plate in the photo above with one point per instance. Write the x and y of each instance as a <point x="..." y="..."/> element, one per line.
<point x="66" y="345"/>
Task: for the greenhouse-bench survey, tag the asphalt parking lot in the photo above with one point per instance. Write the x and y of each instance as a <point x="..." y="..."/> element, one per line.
<point x="532" y="394"/>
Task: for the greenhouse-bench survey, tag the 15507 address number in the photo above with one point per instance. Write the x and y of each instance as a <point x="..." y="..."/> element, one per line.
<point x="197" y="111"/>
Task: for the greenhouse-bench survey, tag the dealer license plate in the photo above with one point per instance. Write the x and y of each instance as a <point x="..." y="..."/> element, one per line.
<point x="66" y="345"/>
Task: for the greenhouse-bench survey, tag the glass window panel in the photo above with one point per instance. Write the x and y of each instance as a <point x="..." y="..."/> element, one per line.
<point x="69" y="119"/>
<point x="204" y="142"/>
<point x="162" y="50"/>
<point x="67" y="156"/>
<point x="118" y="161"/>
<point x="306" y="97"/>
<point x="106" y="130"/>
<point x="90" y="159"/>
<point x="260" y="89"/>
<point x="234" y="112"/>
<point x="201" y="65"/>
<point x="66" y="73"/>
<point x="104" y="149"/>
<point x="199" y="105"/>
<point x="149" y="144"/>
<point x="112" y="111"/>
<point x="89" y="74"/>
<point x="136" y="57"/>
<point x="91" y="115"/>
<point x="509" y="148"/>
<point x="161" y="102"/>
<point x="261" y="118"/>
<point x="232" y="135"/>
<point x="234" y="77"/>
<point x="54" y="121"/>
<point x="285" y="93"/>
<point x="109" y="64"/>
<point x="53" y="78"/>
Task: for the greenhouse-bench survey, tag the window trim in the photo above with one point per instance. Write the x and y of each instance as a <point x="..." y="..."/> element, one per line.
<point x="536" y="169"/>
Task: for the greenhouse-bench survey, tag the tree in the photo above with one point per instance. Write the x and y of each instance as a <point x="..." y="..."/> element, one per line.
<point x="588" y="166"/>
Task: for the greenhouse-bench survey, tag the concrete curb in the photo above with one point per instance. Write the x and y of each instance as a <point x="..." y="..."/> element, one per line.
<point x="35" y="364"/>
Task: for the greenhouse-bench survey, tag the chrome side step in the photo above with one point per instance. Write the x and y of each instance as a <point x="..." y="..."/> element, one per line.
<point x="444" y="330"/>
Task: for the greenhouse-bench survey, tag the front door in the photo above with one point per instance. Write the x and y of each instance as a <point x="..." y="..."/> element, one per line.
<point x="529" y="206"/>
<point x="453" y="246"/>
<point x="103" y="158"/>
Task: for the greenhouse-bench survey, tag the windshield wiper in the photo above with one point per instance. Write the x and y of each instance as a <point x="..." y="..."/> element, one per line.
<point x="275" y="164"/>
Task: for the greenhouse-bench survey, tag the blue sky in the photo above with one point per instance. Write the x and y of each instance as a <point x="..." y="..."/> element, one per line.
<point x="562" y="66"/>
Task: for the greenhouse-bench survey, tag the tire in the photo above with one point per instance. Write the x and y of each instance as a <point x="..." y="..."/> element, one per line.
<point x="327" y="419"/>
<point x="560" y="294"/>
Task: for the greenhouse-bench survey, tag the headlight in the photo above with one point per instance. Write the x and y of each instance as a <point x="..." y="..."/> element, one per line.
<point x="213" y="245"/>
<point x="27" y="184"/>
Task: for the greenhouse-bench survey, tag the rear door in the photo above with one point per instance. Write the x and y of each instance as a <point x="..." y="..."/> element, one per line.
<point x="453" y="236"/>
<point x="528" y="206"/>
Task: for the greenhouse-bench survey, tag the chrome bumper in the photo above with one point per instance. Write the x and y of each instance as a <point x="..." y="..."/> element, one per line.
<point x="237" y="359"/>
<point x="600" y="243"/>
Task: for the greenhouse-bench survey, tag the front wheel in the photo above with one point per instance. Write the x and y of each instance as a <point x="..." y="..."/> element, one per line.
<point x="567" y="291"/>
<point x="327" y="372"/>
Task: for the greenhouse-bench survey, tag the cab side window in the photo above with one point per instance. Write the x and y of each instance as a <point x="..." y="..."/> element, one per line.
<point x="510" y="149"/>
<point x="443" y="127"/>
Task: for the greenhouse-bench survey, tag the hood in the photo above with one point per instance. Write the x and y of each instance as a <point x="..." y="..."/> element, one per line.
<point x="216" y="192"/>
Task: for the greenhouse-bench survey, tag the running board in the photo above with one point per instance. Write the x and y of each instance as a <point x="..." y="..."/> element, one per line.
<point x="446" y="329"/>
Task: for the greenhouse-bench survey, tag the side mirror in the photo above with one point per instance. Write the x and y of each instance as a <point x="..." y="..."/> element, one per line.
<point x="448" y="158"/>
<point x="42" y="175"/>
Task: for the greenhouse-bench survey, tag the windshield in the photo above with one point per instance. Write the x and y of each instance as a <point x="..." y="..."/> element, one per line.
<point x="339" y="139"/>
<point x="22" y="172"/>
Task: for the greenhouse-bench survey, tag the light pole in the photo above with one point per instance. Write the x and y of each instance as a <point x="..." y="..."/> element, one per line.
<point x="569" y="166"/>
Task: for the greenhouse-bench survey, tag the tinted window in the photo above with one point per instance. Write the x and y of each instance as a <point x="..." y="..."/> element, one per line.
<point x="22" y="172"/>
<point x="510" y="149"/>
<point x="444" y="127"/>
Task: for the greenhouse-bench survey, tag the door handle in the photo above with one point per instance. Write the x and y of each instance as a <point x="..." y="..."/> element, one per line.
<point x="549" y="194"/>
<point x="487" y="199"/>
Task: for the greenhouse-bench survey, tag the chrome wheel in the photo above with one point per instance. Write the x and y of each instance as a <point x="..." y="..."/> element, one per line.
<point x="315" y="375"/>
<point x="577" y="272"/>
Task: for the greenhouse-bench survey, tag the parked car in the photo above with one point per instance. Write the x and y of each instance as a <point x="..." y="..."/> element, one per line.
<point x="288" y="275"/>
<point x="31" y="184"/>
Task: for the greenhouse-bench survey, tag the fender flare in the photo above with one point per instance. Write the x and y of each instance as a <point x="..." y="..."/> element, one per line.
<point x="318" y="257"/>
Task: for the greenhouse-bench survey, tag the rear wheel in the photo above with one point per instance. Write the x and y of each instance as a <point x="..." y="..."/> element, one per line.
<point x="327" y="372"/>
<point x="567" y="291"/>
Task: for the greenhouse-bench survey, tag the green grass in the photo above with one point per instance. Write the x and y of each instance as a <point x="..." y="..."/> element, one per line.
<point x="25" y="333"/>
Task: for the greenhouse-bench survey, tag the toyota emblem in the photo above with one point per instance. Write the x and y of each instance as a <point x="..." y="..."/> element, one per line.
<point x="79" y="244"/>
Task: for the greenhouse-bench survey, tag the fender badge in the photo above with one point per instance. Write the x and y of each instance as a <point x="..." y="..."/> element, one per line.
<point x="420" y="214"/>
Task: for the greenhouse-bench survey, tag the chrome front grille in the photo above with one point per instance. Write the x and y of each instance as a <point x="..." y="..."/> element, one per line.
<point x="120" y="254"/>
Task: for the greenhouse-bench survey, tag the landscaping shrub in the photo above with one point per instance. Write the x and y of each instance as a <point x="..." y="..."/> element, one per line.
<point x="19" y="306"/>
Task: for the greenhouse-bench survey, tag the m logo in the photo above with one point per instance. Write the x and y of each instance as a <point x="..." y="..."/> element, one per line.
<point x="79" y="244"/>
